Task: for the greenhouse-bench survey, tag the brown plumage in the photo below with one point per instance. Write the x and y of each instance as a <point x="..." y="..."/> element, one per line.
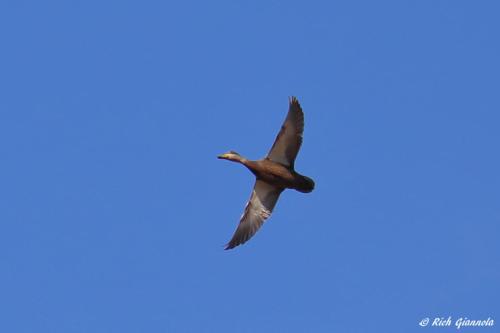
<point x="273" y="174"/>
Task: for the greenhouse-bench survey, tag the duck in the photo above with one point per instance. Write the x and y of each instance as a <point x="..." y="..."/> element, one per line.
<point x="273" y="174"/>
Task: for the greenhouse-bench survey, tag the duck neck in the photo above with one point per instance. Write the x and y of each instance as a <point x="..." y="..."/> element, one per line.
<point x="241" y="159"/>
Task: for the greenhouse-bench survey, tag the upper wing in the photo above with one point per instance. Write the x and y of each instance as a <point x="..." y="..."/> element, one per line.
<point x="258" y="209"/>
<point x="287" y="143"/>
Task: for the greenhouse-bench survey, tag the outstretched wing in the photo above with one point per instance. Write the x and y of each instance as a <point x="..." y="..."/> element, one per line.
<point x="258" y="209"/>
<point x="287" y="143"/>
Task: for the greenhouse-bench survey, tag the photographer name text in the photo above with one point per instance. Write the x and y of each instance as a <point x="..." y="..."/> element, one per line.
<point x="458" y="323"/>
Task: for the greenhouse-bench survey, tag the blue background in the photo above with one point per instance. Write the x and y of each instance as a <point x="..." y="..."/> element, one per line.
<point x="114" y="209"/>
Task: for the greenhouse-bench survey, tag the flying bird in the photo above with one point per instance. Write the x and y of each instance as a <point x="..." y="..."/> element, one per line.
<point x="274" y="174"/>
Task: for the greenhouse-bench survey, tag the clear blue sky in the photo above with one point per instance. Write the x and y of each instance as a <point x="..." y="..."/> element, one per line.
<point x="114" y="209"/>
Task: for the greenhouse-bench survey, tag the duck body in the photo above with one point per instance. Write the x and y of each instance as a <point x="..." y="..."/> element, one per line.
<point x="279" y="175"/>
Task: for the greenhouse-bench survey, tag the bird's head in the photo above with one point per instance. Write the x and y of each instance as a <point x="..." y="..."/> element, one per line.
<point x="231" y="156"/>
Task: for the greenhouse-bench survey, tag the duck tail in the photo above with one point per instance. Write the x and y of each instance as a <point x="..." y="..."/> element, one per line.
<point x="305" y="185"/>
